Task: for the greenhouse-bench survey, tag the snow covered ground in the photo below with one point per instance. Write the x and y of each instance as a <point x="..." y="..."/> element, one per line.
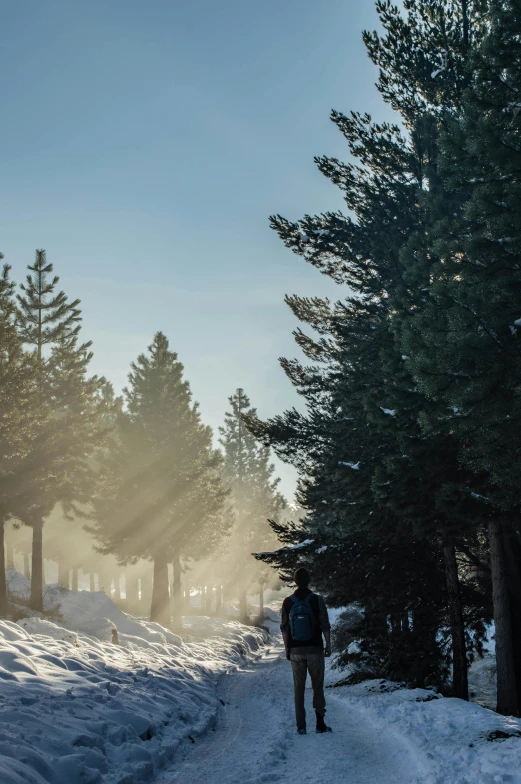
<point x="382" y="735"/>
<point x="78" y="709"/>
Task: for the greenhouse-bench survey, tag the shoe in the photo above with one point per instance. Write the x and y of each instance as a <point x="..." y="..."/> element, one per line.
<point x="321" y="724"/>
<point x="302" y="731"/>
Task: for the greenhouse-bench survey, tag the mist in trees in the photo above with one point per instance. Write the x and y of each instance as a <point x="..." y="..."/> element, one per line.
<point x="127" y="495"/>
<point x="255" y="500"/>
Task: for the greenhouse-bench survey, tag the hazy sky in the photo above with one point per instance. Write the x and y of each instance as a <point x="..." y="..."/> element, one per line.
<point x="144" y="146"/>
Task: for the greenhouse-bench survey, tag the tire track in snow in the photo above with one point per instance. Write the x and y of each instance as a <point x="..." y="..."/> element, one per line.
<point x="255" y="740"/>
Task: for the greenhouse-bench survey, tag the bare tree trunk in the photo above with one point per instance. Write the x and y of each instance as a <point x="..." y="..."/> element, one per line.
<point x="9" y="553"/>
<point x="132" y="592"/>
<point x="507" y="702"/>
<point x="3" y="581"/>
<point x="27" y="569"/>
<point x="218" y="599"/>
<point x="74" y="578"/>
<point x="261" y="602"/>
<point x="160" y="610"/>
<point x="177" y="598"/>
<point x="63" y="574"/>
<point x="243" y="606"/>
<point x="146" y="593"/>
<point x="92" y="581"/>
<point x="460" y="683"/>
<point x="37" y="567"/>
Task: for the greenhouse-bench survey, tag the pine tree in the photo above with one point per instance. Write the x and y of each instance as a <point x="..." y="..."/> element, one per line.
<point x="424" y="68"/>
<point x="162" y="489"/>
<point x="18" y="418"/>
<point x="254" y="494"/>
<point x="465" y="338"/>
<point x="71" y="406"/>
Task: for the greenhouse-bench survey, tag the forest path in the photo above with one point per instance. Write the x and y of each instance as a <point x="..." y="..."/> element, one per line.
<point x="255" y="738"/>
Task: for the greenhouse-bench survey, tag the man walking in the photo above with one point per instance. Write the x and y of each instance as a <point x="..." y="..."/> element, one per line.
<point x="304" y="620"/>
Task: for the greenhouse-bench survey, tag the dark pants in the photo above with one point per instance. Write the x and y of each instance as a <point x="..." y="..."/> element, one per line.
<point x="302" y="663"/>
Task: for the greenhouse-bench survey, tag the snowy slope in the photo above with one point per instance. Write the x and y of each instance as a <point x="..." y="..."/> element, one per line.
<point x="79" y="710"/>
<point x="381" y="735"/>
<point x="451" y="741"/>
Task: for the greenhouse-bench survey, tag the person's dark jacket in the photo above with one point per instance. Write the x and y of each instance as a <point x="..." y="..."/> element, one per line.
<point x="318" y="607"/>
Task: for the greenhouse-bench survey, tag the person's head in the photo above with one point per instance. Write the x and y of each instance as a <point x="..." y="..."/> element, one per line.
<point x="302" y="578"/>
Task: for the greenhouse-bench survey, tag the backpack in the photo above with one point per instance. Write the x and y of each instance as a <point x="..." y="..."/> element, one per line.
<point x="302" y="620"/>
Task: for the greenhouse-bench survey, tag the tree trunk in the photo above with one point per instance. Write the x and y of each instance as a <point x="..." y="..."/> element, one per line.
<point x="218" y="599"/>
<point x="177" y="597"/>
<point x="63" y="574"/>
<point x="103" y="584"/>
<point x="261" y="602"/>
<point x="146" y="593"/>
<point x="160" y="610"/>
<point x="460" y="683"/>
<point x="37" y="567"/>
<point x="92" y="581"/>
<point x="243" y="606"/>
<point x="512" y="547"/>
<point x="3" y="581"/>
<point x="74" y="578"/>
<point x="132" y="592"/>
<point x="507" y="702"/>
<point x="27" y="569"/>
<point x="9" y="553"/>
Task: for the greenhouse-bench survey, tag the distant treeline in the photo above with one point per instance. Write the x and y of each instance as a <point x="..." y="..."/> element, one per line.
<point x="410" y="450"/>
<point x="119" y="481"/>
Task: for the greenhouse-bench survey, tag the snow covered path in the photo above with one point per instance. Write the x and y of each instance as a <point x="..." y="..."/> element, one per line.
<point x="255" y="740"/>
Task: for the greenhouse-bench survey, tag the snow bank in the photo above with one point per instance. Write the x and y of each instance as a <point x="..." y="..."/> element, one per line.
<point x="452" y="740"/>
<point x="94" y="614"/>
<point x="77" y="709"/>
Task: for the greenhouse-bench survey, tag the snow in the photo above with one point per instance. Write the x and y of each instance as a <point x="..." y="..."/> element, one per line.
<point x="388" y="411"/>
<point x="451" y="740"/>
<point x="94" y="614"/>
<point x="354" y="466"/>
<point x="305" y="543"/>
<point x="382" y="734"/>
<point x="216" y="706"/>
<point x="76" y="709"/>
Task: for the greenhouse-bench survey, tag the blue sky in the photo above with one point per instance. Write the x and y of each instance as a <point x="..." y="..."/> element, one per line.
<point x="144" y="146"/>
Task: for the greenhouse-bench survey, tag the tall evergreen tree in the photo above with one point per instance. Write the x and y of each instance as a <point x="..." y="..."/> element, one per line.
<point x="255" y="497"/>
<point x="464" y="340"/>
<point x="50" y="324"/>
<point x="423" y="58"/>
<point x="162" y="487"/>
<point x="18" y="418"/>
